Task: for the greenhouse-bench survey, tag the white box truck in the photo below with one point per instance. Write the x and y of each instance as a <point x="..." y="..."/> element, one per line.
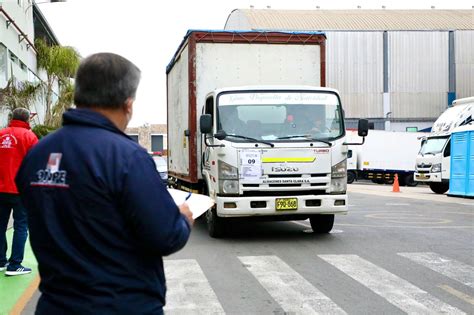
<point x="384" y="154"/>
<point x="242" y="108"/>
<point x="433" y="162"/>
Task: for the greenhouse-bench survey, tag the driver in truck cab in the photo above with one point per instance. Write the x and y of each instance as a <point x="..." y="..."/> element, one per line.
<point x="230" y="121"/>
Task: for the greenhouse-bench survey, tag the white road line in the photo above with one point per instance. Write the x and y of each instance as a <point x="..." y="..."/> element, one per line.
<point x="397" y="291"/>
<point x="289" y="289"/>
<point x="448" y="267"/>
<point x="396" y="204"/>
<point x="189" y="292"/>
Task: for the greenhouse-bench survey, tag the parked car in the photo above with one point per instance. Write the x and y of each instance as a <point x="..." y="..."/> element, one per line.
<point x="162" y="167"/>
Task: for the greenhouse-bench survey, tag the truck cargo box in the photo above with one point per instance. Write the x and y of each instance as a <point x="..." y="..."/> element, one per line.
<point x="209" y="60"/>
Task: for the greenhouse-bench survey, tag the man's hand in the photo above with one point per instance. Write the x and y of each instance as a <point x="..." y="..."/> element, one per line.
<point x="184" y="209"/>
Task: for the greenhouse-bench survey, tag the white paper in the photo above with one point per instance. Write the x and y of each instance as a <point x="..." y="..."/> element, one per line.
<point x="250" y="165"/>
<point x="197" y="203"/>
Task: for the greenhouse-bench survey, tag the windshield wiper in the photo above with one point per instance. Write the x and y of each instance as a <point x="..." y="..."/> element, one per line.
<point x="307" y="137"/>
<point x="250" y="139"/>
<point x="293" y="136"/>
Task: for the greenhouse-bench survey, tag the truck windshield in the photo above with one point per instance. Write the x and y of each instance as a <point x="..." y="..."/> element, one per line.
<point x="280" y="116"/>
<point x="433" y="145"/>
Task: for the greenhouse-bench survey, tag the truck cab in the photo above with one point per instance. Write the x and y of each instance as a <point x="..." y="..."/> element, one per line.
<point x="433" y="162"/>
<point x="274" y="151"/>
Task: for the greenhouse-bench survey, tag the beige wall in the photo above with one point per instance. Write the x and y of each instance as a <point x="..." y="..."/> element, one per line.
<point x="146" y="131"/>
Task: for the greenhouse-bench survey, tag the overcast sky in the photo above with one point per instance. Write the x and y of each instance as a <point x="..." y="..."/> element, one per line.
<point x="148" y="32"/>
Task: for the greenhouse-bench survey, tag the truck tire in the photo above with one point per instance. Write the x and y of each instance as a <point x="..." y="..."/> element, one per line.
<point x="439" y="188"/>
<point x="410" y="180"/>
<point x="322" y="223"/>
<point x="216" y="226"/>
<point x="351" y="176"/>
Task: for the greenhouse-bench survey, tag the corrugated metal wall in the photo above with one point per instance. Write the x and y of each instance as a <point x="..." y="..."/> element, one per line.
<point x="418" y="79"/>
<point x="464" y="59"/>
<point x="355" y="68"/>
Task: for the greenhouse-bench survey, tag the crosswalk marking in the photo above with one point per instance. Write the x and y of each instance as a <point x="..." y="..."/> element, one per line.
<point x="294" y="294"/>
<point x="397" y="291"/>
<point x="189" y="292"/>
<point x="449" y="267"/>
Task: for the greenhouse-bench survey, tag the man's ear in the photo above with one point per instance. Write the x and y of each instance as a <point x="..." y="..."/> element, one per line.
<point x="128" y="106"/>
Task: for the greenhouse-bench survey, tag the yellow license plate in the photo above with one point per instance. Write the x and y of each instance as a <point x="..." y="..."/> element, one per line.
<point x="422" y="176"/>
<point x="282" y="204"/>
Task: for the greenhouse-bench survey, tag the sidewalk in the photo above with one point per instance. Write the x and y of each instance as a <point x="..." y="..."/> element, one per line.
<point x="420" y="192"/>
<point x="16" y="291"/>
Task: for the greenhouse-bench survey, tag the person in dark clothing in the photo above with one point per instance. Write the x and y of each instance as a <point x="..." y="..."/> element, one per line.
<point x="100" y="217"/>
<point x="15" y="141"/>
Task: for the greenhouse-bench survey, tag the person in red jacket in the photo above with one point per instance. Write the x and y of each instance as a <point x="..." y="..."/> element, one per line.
<point x="15" y="141"/>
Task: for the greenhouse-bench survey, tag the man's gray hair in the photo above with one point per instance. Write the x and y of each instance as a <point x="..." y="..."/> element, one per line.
<point x="21" y="113"/>
<point x="105" y="80"/>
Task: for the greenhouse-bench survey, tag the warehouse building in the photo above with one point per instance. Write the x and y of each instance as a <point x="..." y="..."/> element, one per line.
<point x="399" y="68"/>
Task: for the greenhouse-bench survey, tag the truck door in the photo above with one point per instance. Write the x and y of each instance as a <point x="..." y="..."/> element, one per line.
<point x="208" y="109"/>
<point x="446" y="162"/>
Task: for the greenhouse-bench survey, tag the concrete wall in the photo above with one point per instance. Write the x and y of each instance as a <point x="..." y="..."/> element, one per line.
<point x="145" y="132"/>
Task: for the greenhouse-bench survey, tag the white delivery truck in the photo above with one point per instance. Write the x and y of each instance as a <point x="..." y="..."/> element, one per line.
<point x="433" y="162"/>
<point x="242" y="108"/>
<point x="384" y="154"/>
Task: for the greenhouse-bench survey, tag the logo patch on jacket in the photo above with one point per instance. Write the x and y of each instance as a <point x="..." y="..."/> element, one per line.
<point x="6" y="141"/>
<point x="52" y="176"/>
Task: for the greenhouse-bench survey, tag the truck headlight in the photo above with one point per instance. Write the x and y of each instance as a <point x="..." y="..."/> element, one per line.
<point x="436" y="168"/>
<point x="339" y="177"/>
<point x="339" y="170"/>
<point x="228" y="178"/>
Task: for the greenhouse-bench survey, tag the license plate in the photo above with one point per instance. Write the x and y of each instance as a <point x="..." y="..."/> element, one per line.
<point x="422" y="176"/>
<point x="283" y="204"/>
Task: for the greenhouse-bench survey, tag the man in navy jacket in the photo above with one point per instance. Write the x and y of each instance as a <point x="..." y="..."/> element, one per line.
<point x="100" y="218"/>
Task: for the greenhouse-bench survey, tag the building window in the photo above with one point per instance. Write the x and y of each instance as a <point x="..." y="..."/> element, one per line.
<point x="23" y="66"/>
<point x="134" y="138"/>
<point x="157" y="143"/>
<point x="13" y="58"/>
<point x="3" y="65"/>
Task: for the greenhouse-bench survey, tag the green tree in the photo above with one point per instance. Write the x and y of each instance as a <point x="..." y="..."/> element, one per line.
<point x="65" y="101"/>
<point x="60" y="64"/>
<point x="19" y="94"/>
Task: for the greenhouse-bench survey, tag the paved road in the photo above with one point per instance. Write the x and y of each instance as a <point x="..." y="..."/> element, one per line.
<point x="393" y="254"/>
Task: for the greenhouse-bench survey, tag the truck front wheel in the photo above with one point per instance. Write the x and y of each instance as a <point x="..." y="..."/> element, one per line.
<point x="439" y="188"/>
<point x="410" y="180"/>
<point x="351" y="176"/>
<point x="215" y="225"/>
<point x="322" y="223"/>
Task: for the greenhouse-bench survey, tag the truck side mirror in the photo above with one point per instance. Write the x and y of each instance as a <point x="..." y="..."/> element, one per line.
<point x="220" y="135"/>
<point x="205" y="123"/>
<point x="363" y="128"/>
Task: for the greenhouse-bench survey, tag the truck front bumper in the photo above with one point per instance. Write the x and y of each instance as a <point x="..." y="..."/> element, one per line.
<point x="266" y="205"/>
<point x="428" y="177"/>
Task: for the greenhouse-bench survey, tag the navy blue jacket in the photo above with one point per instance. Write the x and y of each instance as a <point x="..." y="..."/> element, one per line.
<point x="100" y="220"/>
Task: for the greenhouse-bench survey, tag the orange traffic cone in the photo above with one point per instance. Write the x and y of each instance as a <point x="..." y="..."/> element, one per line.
<point x="396" y="186"/>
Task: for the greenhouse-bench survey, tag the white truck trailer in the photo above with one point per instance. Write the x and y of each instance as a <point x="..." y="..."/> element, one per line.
<point x="433" y="162"/>
<point x="240" y="112"/>
<point x="384" y="154"/>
